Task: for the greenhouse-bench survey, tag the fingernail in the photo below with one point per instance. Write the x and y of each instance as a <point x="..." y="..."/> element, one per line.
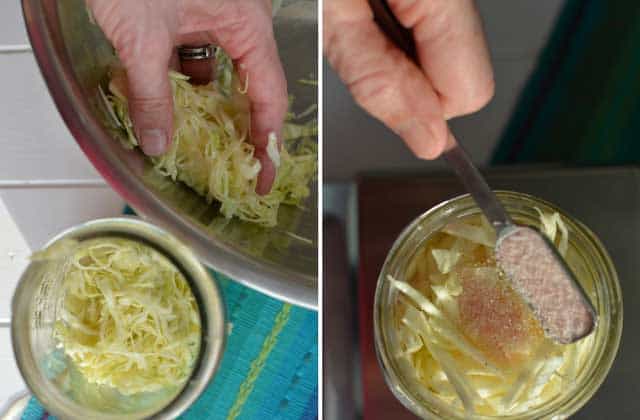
<point x="153" y="142"/>
<point x="267" y="173"/>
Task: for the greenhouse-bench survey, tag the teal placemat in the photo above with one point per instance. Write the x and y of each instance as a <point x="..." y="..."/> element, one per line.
<point x="270" y="364"/>
<point x="269" y="367"/>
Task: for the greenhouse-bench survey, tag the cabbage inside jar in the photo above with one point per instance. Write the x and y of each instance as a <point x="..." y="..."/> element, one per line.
<point x="466" y="336"/>
<point x="127" y="321"/>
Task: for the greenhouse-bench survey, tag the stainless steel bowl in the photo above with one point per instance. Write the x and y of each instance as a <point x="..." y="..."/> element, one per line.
<point x="74" y="57"/>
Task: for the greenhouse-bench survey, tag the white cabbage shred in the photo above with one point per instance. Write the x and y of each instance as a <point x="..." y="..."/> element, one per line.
<point x="211" y="151"/>
<point x="552" y="225"/>
<point x="445" y="259"/>
<point x="128" y="319"/>
<point x="434" y="340"/>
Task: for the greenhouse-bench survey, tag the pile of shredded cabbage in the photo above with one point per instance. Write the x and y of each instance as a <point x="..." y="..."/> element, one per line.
<point x="127" y="318"/>
<point x="464" y="335"/>
<point x="211" y="153"/>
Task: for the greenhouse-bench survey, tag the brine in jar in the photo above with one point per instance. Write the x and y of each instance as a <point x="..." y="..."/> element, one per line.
<point x="466" y="336"/>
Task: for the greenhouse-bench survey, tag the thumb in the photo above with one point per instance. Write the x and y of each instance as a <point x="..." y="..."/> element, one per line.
<point x="382" y="79"/>
<point x="141" y="36"/>
<point x="244" y="30"/>
<point x="151" y="106"/>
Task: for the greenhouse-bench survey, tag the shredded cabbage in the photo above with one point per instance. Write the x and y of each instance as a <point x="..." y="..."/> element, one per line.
<point x="440" y="324"/>
<point x="551" y="224"/>
<point x="445" y="259"/>
<point x="272" y="149"/>
<point x="481" y="349"/>
<point x="476" y="234"/>
<point x="211" y="153"/>
<point x="422" y="301"/>
<point x="128" y="318"/>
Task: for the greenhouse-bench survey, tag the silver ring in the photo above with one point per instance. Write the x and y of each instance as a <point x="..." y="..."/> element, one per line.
<point x="196" y="53"/>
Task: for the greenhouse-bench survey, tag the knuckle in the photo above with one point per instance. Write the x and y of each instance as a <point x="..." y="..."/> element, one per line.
<point x="150" y="107"/>
<point x="119" y="27"/>
<point x="408" y="12"/>
<point x="372" y="91"/>
<point x="130" y="28"/>
<point x="475" y="101"/>
<point x="150" y="47"/>
<point x="379" y="89"/>
<point x="241" y="29"/>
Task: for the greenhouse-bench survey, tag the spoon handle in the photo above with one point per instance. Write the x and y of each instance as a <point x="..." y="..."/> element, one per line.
<point x="454" y="154"/>
<point x="475" y="183"/>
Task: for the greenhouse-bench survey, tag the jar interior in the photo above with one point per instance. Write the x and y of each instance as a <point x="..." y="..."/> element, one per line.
<point x="52" y="372"/>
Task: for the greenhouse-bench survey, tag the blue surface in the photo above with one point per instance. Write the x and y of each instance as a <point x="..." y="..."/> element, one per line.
<point x="269" y="367"/>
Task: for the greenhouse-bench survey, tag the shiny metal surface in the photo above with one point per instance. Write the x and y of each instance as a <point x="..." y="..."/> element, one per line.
<point x="196" y="53"/>
<point x="74" y="56"/>
<point x="477" y="186"/>
<point x="13" y="409"/>
<point x="34" y="313"/>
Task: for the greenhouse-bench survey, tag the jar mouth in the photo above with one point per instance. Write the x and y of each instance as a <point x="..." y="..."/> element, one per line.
<point x="608" y="303"/>
<point x="204" y="289"/>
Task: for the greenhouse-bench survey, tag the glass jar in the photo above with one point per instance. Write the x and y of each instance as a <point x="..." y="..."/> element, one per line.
<point x="51" y="376"/>
<point x="587" y="258"/>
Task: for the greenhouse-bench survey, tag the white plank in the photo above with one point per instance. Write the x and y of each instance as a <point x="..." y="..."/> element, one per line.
<point x="34" y="141"/>
<point x="11" y="382"/>
<point x="12" y="29"/>
<point x="41" y="213"/>
<point x="14" y="252"/>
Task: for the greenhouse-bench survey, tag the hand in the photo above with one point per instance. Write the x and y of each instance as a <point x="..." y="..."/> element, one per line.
<point x="454" y="77"/>
<point x="145" y="34"/>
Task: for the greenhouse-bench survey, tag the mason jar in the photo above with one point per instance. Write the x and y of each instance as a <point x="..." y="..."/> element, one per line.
<point x="45" y="369"/>
<point x="586" y="256"/>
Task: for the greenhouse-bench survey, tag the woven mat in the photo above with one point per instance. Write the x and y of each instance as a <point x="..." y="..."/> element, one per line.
<point x="270" y="364"/>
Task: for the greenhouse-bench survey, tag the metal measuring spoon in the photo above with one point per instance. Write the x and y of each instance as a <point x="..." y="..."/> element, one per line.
<point x="531" y="262"/>
<point x="533" y="266"/>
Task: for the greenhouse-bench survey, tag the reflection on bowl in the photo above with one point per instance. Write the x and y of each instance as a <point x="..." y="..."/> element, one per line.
<point x="74" y="57"/>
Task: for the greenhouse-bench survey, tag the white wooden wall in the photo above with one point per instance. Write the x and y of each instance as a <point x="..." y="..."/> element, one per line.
<point x="35" y="146"/>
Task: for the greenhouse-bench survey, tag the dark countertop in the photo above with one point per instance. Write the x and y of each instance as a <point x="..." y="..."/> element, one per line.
<point x="607" y="200"/>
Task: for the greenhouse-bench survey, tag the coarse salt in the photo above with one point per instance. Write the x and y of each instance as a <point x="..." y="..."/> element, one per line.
<point x="540" y="277"/>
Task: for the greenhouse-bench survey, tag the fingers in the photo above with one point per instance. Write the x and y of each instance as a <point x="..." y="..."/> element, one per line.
<point x="244" y="30"/>
<point x="247" y="36"/>
<point x="267" y="173"/>
<point x="141" y="37"/>
<point x="452" y="50"/>
<point x="151" y="106"/>
<point x="382" y="79"/>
